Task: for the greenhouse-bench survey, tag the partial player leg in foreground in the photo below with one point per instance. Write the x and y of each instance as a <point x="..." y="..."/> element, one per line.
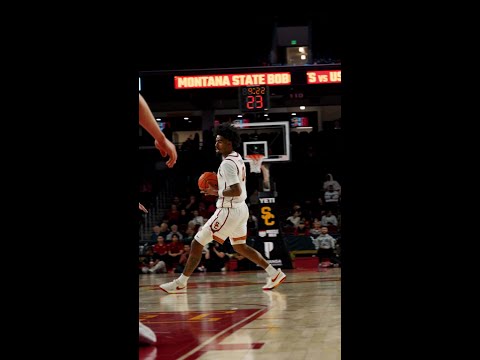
<point x="146" y="335"/>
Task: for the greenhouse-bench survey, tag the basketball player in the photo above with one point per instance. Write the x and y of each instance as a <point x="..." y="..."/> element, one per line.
<point x="166" y="148"/>
<point x="230" y="218"/>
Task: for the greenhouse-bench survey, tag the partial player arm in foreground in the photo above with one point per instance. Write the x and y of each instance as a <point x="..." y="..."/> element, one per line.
<point x="147" y="121"/>
<point x="143" y="208"/>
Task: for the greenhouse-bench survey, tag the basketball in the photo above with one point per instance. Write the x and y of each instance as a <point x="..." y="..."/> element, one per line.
<point x="207" y="178"/>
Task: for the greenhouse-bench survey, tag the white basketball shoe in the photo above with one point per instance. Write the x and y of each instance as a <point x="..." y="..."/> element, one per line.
<point x="274" y="281"/>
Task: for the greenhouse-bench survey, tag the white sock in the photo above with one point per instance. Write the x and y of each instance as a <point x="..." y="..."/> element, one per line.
<point x="271" y="271"/>
<point x="183" y="279"/>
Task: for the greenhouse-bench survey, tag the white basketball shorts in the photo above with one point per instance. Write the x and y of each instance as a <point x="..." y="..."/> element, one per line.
<point x="225" y="223"/>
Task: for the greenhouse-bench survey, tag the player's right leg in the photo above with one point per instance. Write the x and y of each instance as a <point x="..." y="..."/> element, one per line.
<point x="276" y="276"/>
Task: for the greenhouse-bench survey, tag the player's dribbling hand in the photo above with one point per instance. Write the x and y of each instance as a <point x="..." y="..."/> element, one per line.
<point x="210" y="191"/>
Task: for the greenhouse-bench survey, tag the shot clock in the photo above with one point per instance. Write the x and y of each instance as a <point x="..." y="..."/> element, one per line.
<point x="254" y="98"/>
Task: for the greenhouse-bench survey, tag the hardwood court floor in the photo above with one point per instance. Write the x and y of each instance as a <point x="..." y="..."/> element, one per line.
<point x="229" y="316"/>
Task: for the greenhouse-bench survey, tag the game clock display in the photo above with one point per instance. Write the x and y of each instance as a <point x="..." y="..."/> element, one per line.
<point x="254" y="98"/>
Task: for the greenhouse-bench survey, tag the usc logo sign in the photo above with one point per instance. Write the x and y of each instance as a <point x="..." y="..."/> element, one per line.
<point x="267" y="215"/>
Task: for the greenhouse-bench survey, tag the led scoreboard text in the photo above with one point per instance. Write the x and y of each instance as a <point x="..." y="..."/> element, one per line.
<point x="231" y="80"/>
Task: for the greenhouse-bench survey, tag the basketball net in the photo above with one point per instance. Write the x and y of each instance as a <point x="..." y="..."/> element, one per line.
<point x="255" y="162"/>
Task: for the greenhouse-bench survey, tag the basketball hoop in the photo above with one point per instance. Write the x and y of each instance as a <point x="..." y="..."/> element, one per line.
<point x="255" y="162"/>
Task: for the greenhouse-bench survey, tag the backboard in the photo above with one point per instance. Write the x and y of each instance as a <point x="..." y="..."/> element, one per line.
<point x="271" y="139"/>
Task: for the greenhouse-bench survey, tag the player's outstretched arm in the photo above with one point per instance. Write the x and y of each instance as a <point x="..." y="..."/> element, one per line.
<point x="147" y="121"/>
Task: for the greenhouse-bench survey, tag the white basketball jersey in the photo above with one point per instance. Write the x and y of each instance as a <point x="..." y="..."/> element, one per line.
<point x="231" y="171"/>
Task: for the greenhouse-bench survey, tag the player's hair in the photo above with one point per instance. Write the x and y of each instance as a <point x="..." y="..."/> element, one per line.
<point x="229" y="132"/>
